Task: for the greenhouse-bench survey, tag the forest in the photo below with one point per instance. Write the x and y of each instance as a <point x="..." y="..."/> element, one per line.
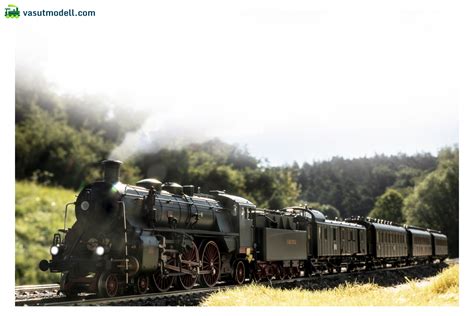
<point x="61" y="140"/>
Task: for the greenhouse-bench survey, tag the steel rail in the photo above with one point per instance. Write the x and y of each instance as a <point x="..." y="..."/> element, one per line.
<point x="61" y="300"/>
<point x="35" y="287"/>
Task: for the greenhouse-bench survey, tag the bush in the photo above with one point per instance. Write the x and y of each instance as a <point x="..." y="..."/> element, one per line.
<point x="389" y="206"/>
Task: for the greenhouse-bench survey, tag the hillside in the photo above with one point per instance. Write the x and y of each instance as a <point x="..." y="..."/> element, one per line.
<point x="39" y="212"/>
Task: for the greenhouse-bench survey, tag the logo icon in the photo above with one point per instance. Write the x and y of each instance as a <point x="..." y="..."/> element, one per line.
<point x="12" y="12"/>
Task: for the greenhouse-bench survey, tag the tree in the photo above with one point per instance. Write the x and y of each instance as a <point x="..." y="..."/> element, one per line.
<point x="352" y="185"/>
<point x="434" y="202"/>
<point x="329" y="211"/>
<point x="285" y="189"/>
<point x="45" y="144"/>
<point x="60" y="139"/>
<point x="389" y="206"/>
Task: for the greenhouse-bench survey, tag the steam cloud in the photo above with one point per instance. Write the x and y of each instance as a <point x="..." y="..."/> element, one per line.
<point x="157" y="134"/>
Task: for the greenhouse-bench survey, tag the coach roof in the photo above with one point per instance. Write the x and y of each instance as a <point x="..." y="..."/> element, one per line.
<point x="390" y="228"/>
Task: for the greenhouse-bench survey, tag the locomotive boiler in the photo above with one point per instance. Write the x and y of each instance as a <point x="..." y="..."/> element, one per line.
<point x="149" y="236"/>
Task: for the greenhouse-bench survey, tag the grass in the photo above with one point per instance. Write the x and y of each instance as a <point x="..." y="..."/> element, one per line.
<point x="441" y="290"/>
<point x="39" y="212"/>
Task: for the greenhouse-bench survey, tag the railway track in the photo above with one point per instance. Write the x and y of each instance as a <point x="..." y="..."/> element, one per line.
<point x="48" y="295"/>
<point x="35" y="293"/>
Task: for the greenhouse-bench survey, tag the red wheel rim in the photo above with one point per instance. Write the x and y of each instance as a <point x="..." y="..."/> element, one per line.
<point x="111" y="285"/>
<point x="257" y="275"/>
<point x="187" y="281"/>
<point x="239" y="273"/>
<point x="163" y="282"/>
<point x="280" y="274"/>
<point x="211" y="261"/>
<point x="269" y="272"/>
<point x="142" y="284"/>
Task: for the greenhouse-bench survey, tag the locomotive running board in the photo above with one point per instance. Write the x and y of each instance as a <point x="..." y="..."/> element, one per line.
<point x="186" y="271"/>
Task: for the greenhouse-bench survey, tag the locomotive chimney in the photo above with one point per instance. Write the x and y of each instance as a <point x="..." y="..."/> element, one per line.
<point x="111" y="170"/>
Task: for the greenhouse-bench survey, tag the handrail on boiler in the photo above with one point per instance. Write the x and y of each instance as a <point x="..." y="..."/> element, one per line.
<point x="125" y="239"/>
<point x="65" y="213"/>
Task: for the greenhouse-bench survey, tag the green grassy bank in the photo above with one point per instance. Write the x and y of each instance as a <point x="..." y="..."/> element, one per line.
<point x="39" y="212"/>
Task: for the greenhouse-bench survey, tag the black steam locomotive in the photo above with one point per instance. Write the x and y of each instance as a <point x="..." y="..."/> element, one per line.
<point x="153" y="236"/>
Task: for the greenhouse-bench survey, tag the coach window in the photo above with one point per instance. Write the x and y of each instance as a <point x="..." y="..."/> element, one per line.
<point x="325" y="233"/>
<point x="334" y="233"/>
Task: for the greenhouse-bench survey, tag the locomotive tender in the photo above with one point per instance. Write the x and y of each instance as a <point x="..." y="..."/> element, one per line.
<point x="152" y="236"/>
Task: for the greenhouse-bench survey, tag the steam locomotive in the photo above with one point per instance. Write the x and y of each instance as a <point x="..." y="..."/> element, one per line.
<point x="153" y="236"/>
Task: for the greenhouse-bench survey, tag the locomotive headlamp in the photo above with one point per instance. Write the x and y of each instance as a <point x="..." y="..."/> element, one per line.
<point x="99" y="250"/>
<point x="54" y="250"/>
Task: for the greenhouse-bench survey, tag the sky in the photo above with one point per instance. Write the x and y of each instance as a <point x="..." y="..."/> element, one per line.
<point x="290" y="81"/>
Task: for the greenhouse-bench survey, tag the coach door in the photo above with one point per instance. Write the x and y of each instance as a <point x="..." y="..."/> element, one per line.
<point x="362" y="241"/>
<point x="335" y="241"/>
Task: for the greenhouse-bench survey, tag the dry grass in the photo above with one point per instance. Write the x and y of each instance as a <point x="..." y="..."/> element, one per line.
<point x="441" y="290"/>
